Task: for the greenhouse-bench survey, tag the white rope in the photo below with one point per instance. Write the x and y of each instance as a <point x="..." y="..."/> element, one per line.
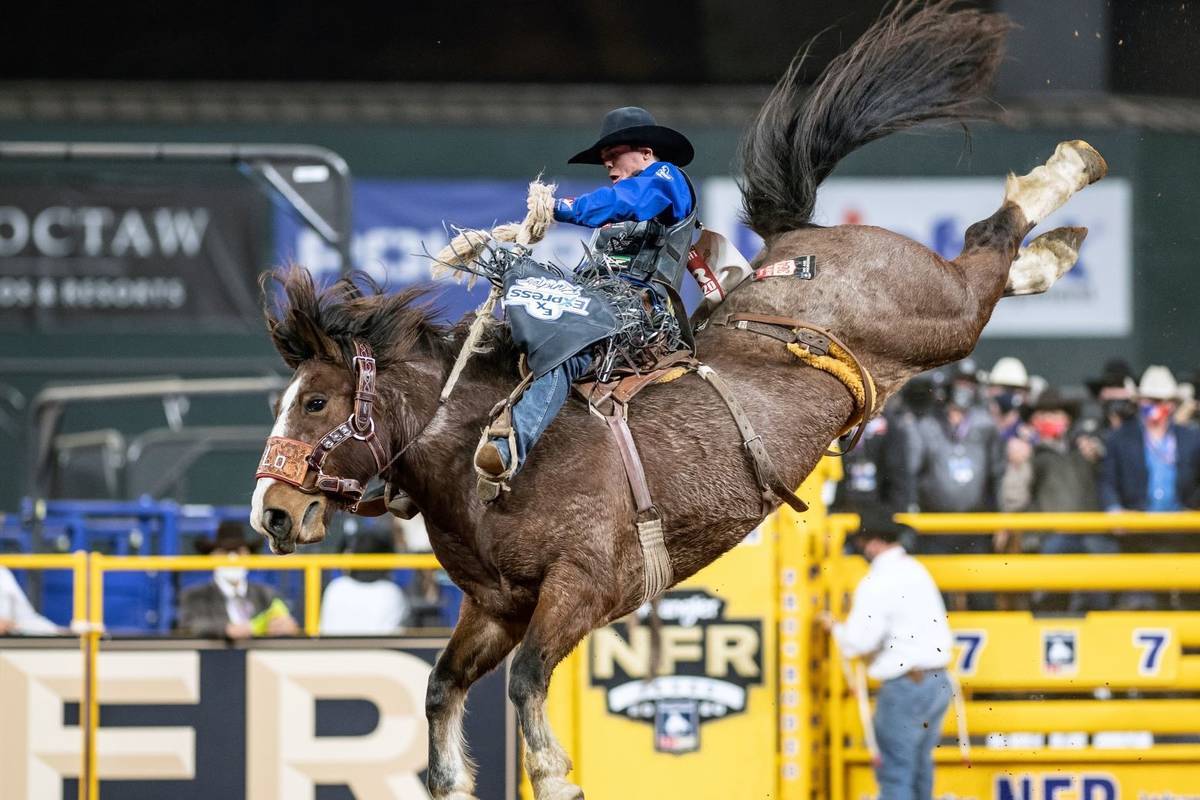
<point x="483" y="315"/>
<point x="856" y="675"/>
<point x="960" y="717"/>
<point x="470" y="243"/>
<point x="859" y="681"/>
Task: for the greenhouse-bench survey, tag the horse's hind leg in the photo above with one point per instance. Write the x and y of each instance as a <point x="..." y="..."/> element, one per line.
<point x="991" y="245"/>
<point x="1073" y="166"/>
<point x="478" y="644"/>
<point x="566" y="612"/>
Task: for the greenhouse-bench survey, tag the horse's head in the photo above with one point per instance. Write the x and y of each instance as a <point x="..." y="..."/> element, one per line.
<point x="334" y="428"/>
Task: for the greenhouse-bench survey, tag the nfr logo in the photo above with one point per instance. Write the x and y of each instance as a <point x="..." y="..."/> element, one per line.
<point x="707" y="665"/>
<point x="1056" y="786"/>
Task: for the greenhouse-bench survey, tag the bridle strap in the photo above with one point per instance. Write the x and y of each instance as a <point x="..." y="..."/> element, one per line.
<point x="364" y="392"/>
<point x="302" y="465"/>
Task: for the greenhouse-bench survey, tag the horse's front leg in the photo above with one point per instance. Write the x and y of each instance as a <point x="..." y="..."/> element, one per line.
<point x="479" y="642"/>
<point x="569" y="607"/>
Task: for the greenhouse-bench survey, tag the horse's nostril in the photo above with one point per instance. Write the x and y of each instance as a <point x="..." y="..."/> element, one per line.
<point x="278" y="522"/>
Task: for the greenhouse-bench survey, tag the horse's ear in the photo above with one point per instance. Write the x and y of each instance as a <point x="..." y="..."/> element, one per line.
<point x="298" y="338"/>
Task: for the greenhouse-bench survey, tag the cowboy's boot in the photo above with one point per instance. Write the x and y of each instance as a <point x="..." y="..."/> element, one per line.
<point x="492" y="469"/>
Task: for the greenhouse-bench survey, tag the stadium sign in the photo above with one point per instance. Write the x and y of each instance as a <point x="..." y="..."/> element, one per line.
<point x="146" y="256"/>
<point x="279" y="721"/>
<point x="707" y="663"/>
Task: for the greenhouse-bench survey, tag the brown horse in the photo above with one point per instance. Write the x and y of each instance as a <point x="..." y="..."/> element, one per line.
<point x="558" y="556"/>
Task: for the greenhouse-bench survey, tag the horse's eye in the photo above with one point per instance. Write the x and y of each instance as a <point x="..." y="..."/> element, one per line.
<point x="314" y="405"/>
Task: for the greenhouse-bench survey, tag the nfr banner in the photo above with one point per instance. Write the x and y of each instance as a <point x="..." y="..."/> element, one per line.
<point x="135" y="258"/>
<point x="326" y="720"/>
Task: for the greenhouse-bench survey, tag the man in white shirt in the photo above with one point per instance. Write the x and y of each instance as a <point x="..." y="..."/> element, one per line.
<point x="17" y="617"/>
<point x="898" y="622"/>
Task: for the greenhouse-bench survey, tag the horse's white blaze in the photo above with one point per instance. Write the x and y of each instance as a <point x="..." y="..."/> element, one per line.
<point x="289" y="399"/>
<point x="278" y="429"/>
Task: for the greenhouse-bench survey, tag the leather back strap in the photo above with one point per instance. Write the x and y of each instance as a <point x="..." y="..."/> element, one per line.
<point x="630" y="457"/>
<point x="773" y="488"/>
<point x="657" y="572"/>
<point x="816" y="341"/>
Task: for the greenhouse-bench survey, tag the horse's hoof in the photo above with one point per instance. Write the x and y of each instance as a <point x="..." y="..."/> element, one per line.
<point x="1094" y="165"/>
<point x="1047" y="259"/>
<point x="556" y="789"/>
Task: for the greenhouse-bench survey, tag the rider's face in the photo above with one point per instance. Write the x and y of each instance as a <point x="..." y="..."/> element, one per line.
<point x="623" y="160"/>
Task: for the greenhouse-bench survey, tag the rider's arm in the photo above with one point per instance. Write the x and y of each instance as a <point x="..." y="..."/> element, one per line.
<point x="641" y="197"/>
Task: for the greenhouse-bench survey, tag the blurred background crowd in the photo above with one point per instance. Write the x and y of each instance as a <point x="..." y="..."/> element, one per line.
<point x="966" y="439"/>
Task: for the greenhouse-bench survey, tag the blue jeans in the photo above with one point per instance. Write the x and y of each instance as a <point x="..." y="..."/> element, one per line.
<point x="908" y="725"/>
<point x="540" y="404"/>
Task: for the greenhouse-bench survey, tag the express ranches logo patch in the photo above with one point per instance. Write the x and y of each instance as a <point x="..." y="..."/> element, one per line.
<point x="546" y="298"/>
<point x="706" y="667"/>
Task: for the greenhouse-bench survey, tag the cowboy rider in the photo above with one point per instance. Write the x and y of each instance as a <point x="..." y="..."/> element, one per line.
<point x="645" y="222"/>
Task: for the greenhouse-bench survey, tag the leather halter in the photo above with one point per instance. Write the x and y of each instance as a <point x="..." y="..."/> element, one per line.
<point x="301" y="464"/>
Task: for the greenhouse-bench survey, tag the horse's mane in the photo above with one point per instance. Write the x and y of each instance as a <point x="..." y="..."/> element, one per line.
<point x="308" y="322"/>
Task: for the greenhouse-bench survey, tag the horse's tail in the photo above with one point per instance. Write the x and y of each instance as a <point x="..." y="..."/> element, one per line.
<point x="919" y="63"/>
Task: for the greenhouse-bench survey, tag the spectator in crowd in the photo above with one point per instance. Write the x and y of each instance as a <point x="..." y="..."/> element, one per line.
<point x="17" y="617"/>
<point x="1115" y="391"/>
<point x="1008" y="391"/>
<point x="230" y="605"/>
<point x="958" y="462"/>
<point x="898" y="621"/>
<point x="1056" y="474"/>
<point x="965" y="379"/>
<point x="877" y="472"/>
<point x="1152" y="464"/>
<point x="364" y="602"/>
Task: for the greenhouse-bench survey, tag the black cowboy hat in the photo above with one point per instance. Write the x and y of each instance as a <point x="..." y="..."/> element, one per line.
<point x="876" y="522"/>
<point x="1051" y="399"/>
<point x="635" y="126"/>
<point x="1116" y="371"/>
<point x="231" y="535"/>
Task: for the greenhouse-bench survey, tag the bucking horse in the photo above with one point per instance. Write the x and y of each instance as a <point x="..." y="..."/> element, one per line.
<point x="560" y="554"/>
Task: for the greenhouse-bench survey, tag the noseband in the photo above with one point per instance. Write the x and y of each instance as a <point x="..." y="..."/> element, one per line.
<point x="300" y="464"/>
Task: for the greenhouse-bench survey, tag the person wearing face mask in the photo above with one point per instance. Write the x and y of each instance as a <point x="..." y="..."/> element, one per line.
<point x="231" y="605"/>
<point x="1114" y="390"/>
<point x="1152" y="464"/>
<point x="645" y="221"/>
<point x="1056" y="474"/>
<point x="958" y="461"/>
<point x="1008" y="392"/>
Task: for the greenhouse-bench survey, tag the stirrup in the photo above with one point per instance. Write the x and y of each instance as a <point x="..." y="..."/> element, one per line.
<point x="489" y="487"/>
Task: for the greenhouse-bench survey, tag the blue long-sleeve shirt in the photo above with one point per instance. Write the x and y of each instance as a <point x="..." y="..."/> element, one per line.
<point x="659" y="189"/>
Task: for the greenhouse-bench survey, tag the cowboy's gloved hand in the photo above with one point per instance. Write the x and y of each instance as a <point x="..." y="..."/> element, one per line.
<point x="563" y="210"/>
